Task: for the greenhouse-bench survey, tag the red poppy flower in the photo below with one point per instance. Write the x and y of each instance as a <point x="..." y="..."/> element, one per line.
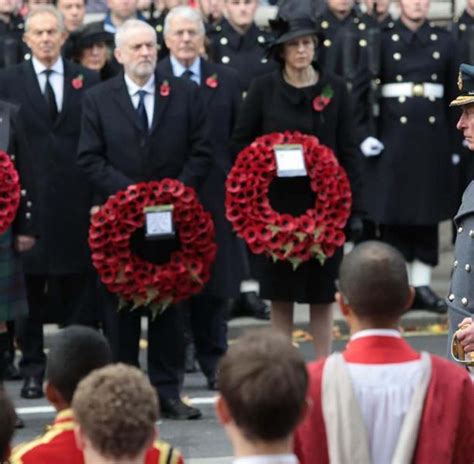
<point x="212" y="82"/>
<point x="78" y="82"/>
<point x="165" y="89"/>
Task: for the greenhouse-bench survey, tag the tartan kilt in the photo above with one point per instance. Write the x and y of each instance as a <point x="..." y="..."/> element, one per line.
<point x="12" y="284"/>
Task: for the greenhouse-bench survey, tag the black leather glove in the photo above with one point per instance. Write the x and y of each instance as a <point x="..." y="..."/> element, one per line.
<point x="354" y="229"/>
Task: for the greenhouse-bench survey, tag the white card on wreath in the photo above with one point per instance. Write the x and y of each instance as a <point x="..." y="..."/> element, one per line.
<point x="290" y="160"/>
<point x="159" y="221"/>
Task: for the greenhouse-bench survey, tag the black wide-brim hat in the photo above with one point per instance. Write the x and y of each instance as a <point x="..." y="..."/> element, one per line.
<point x="90" y="34"/>
<point x="285" y="30"/>
<point x="465" y="85"/>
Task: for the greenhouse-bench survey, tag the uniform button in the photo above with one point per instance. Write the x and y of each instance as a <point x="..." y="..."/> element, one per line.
<point x="467" y="267"/>
<point x="402" y="99"/>
<point x="397" y="56"/>
<point x="23" y="193"/>
<point x="218" y="28"/>
<point x="436" y="55"/>
<point x="362" y="27"/>
<point x="28" y="215"/>
<point x="471" y="233"/>
<point x="21" y="26"/>
<point x="464" y="301"/>
<point x="27" y="56"/>
<point x="363" y="43"/>
<point x="225" y="59"/>
<point x="356" y="20"/>
<point x="261" y="39"/>
<point x="403" y="119"/>
<point x="378" y="81"/>
<point x="451" y="297"/>
<point x="432" y="119"/>
<point x="159" y="28"/>
<point x="433" y="37"/>
<point x="462" y="27"/>
<point x="12" y="157"/>
<point x="434" y="77"/>
<point x="264" y="60"/>
<point x="399" y="78"/>
<point x="395" y="37"/>
<point x="324" y="24"/>
<point x="460" y="229"/>
<point x="327" y="43"/>
<point x="29" y="204"/>
<point x="455" y="264"/>
<point x="224" y="41"/>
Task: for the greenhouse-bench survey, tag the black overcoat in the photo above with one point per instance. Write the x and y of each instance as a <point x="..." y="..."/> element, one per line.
<point x="64" y="197"/>
<point x="222" y="104"/>
<point x="272" y="105"/>
<point x="410" y="183"/>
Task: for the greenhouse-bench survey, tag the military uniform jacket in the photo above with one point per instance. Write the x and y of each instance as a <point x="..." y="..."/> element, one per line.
<point x="461" y="293"/>
<point x="245" y="53"/>
<point x="409" y="183"/>
<point x="342" y="42"/>
<point x="58" y="445"/>
<point x="64" y="196"/>
<point x="463" y="33"/>
<point x="222" y="104"/>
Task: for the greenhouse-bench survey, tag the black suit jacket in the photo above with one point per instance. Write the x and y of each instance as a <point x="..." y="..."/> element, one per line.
<point x="115" y="152"/>
<point x="64" y="196"/>
<point x="222" y="104"/>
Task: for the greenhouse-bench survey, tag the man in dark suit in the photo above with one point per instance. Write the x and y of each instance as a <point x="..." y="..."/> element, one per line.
<point x="140" y="126"/>
<point x="49" y="91"/>
<point x="219" y="86"/>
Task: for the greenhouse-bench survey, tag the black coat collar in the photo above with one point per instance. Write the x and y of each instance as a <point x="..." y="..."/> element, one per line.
<point x="409" y="36"/>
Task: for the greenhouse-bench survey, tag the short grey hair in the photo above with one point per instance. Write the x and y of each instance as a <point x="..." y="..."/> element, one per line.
<point x="42" y="9"/>
<point x="185" y="12"/>
<point x="129" y="25"/>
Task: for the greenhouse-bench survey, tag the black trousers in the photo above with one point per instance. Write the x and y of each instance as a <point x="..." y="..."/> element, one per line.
<point x="414" y="242"/>
<point x="165" y="353"/>
<point x="65" y="299"/>
<point x="206" y="316"/>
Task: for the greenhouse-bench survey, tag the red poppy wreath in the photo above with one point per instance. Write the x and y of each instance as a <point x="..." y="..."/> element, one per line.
<point x="315" y="234"/>
<point x="142" y="283"/>
<point x="9" y="191"/>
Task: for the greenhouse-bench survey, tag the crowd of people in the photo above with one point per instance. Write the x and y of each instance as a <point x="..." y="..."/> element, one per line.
<point x="176" y="89"/>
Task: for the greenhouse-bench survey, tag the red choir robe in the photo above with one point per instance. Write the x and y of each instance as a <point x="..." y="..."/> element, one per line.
<point x="446" y="433"/>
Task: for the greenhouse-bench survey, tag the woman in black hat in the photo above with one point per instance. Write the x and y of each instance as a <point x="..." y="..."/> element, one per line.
<point x="287" y="99"/>
<point x="92" y="47"/>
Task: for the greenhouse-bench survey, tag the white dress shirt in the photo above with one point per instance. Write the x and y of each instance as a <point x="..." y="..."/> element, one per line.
<point x="179" y="69"/>
<point x="149" y="88"/>
<point x="384" y="393"/>
<point x="56" y="79"/>
<point x="267" y="459"/>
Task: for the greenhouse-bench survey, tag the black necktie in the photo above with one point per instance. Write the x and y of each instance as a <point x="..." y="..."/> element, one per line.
<point x="50" y="97"/>
<point x="188" y="74"/>
<point x="141" y="110"/>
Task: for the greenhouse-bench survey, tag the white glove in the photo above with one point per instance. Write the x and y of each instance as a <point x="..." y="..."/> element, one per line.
<point x="371" y="147"/>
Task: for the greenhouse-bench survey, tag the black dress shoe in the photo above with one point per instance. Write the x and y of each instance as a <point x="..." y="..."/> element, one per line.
<point x="248" y="304"/>
<point x="11" y="372"/>
<point x="426" y="298"/>
<point x="174" y="408"/>
<point x="32" y="388"/>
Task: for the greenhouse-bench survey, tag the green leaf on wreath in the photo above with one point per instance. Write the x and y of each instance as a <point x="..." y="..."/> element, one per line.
<point x="295" y="262"/>
<point x="137" y="303"/>
<point x="274" y="257"/>
<point x="120" y="279"/>
<point x="273" y="229"/>
<point x="321" y="257"/>
<point x="316" y="249"/>
<point x="156" y="309"/>
<point x="151" y="294"/>
<point x="316" y="233"/>
<point x="195" y="277"/>
<point x="300" y="236"/>
<point x="122" y="304"/>
<point x="288" y="248"/>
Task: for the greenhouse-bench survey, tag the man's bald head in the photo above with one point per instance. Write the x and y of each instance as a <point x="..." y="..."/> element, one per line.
<point x="373" y="279"/>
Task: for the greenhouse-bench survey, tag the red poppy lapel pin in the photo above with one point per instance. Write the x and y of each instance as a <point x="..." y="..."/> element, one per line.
<point x="78" y="82"/>
<point x="321" y="101"/>
<point x="165" y="89"/>
<point x="212" y="81"/>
